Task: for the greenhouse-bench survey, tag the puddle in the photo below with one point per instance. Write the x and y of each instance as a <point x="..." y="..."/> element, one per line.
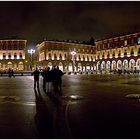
<point x="9" y="98"/>
<point x="73" y="97"/>
<point x="133" y="96"/>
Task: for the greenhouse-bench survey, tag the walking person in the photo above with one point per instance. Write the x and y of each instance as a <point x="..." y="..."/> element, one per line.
<point x="36" y="74"/>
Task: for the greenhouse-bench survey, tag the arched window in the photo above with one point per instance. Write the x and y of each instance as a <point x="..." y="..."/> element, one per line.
<point x="55" y="56"/>
<point x="125" y="53"/>
<point x="60" y="57"/>
<point x="65" y="56"/>
<point x="91" y="58"/>
<point x="108" y="55"/>
<point x="87" y="58"/>
<point x="139" y="51"/>
<point x="103" y="55"/>
<point x="9" y="56"/>
<point x="4" y="56"/>
<point x="83" y="57"/>
<point x="79" y="58"/>
<point x="15" y="55"/>
<point x="49" y="56"/>
<point x="98" y="56"/>
<point x="20" y="55"/>
<point x="132" y="52"/>
<point x="113" y="54"/>
<point x="119" y="54"/>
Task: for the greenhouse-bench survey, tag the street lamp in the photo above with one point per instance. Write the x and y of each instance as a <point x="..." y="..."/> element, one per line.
<point x="31" y="52"/>
<point x="73" y="53"/>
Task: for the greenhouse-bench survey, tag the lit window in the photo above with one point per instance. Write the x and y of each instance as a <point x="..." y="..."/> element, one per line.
<point x="138" y="40"/>
<point x="125" y="42"/>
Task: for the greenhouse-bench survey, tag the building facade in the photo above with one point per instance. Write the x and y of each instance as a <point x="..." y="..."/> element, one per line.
<point x="116" y="53"/>
<point x="12" y="54"/>
<point x="68" y="56"/>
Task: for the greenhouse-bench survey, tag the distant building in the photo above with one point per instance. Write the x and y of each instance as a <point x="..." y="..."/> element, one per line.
<point x="67" y="55"/>
<point x="122" y="52"/>
<point x="12" y="54"/>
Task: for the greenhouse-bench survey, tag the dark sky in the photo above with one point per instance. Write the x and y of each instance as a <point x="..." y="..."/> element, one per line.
<point x="74" y="20"/>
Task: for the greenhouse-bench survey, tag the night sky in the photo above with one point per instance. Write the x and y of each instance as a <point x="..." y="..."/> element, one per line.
<point x="67" y="20"/>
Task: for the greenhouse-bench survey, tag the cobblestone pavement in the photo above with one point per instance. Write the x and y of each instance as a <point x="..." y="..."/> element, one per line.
<point x="91" y="106"/>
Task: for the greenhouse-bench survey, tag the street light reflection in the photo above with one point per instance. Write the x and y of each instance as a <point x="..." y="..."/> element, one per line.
<point x="76" y="97"/>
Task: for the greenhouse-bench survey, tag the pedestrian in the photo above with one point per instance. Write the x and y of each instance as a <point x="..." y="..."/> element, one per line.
<point x="36" y="74"/>
<point x="44" y="79"/>
<point x="12" y="73"/>
<point x="56" y="79"/>
<point x="9" y="72"/>
<point x="48" y="79"/>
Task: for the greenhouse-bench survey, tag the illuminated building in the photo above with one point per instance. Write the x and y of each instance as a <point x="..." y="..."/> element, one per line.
<point x="12" y="54"/>
<point x="50" y="53"/>
<point x="121" y="52"/>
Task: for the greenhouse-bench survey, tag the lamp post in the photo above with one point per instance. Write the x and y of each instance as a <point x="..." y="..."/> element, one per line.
<point x="73" y="53"/>
<point x="31" y="52"/>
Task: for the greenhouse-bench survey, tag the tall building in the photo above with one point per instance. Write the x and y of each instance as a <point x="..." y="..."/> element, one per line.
<point x="67" y="55"/>
<point x="12" y="54"/>
<point x="122" y="52"/>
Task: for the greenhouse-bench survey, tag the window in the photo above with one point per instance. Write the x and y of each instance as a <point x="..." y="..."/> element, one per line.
<point x="125" y="53"/>
<point x="98" y="56"/>
<point x="65" y="56"/>
<point x="9" y="46"/>
<point x="125" y="42"/>
<point x="15" y="56"/>
<point x="132" y="41"/>
<point x="132" y="52"/>
<point x="138" y="40"/>
<point x="139" y="51"/>
<point x="49" y="56"/>
<point x="108" y="55"/>
<point x="4" y="47"/>
<point x="20" y="47"/>
<point x="79" y="58"/>
<point x="83" y="57"/>
<point x="55" y="57"/>
<point x="113" y="54"/>
<point x="103" y="55"/>
<point x="15" y="47"/>
<point x="4" y="55"/>
<point x="9" y="56"/>
<point x="87" y="58"/>
<point x="20" y="55"/>
<point x="91" y="58"/>
<point x="60" y="57"/>
<point x="119" y="54"/>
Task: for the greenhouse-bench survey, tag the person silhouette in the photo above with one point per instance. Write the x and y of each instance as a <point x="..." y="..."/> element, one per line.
<point x="12" y="73"/>
<point x="36" y="74"/>
<point x="56" y="79"/>
<point x="44" y="78"/>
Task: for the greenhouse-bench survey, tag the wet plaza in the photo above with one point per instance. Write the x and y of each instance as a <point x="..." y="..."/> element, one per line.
<point x="91" y="106"/>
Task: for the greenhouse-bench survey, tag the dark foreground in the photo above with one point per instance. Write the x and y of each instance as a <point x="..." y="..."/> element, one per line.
<point x="91" y="106"/>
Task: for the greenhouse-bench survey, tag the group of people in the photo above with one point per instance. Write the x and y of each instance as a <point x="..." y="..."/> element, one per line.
<point x="51" y="77"/>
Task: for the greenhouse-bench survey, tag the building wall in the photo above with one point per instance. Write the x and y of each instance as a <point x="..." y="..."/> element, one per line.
<point x="121" y="52"/>
<point x="51" y="53"/>
<point x="12" y="54"/>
